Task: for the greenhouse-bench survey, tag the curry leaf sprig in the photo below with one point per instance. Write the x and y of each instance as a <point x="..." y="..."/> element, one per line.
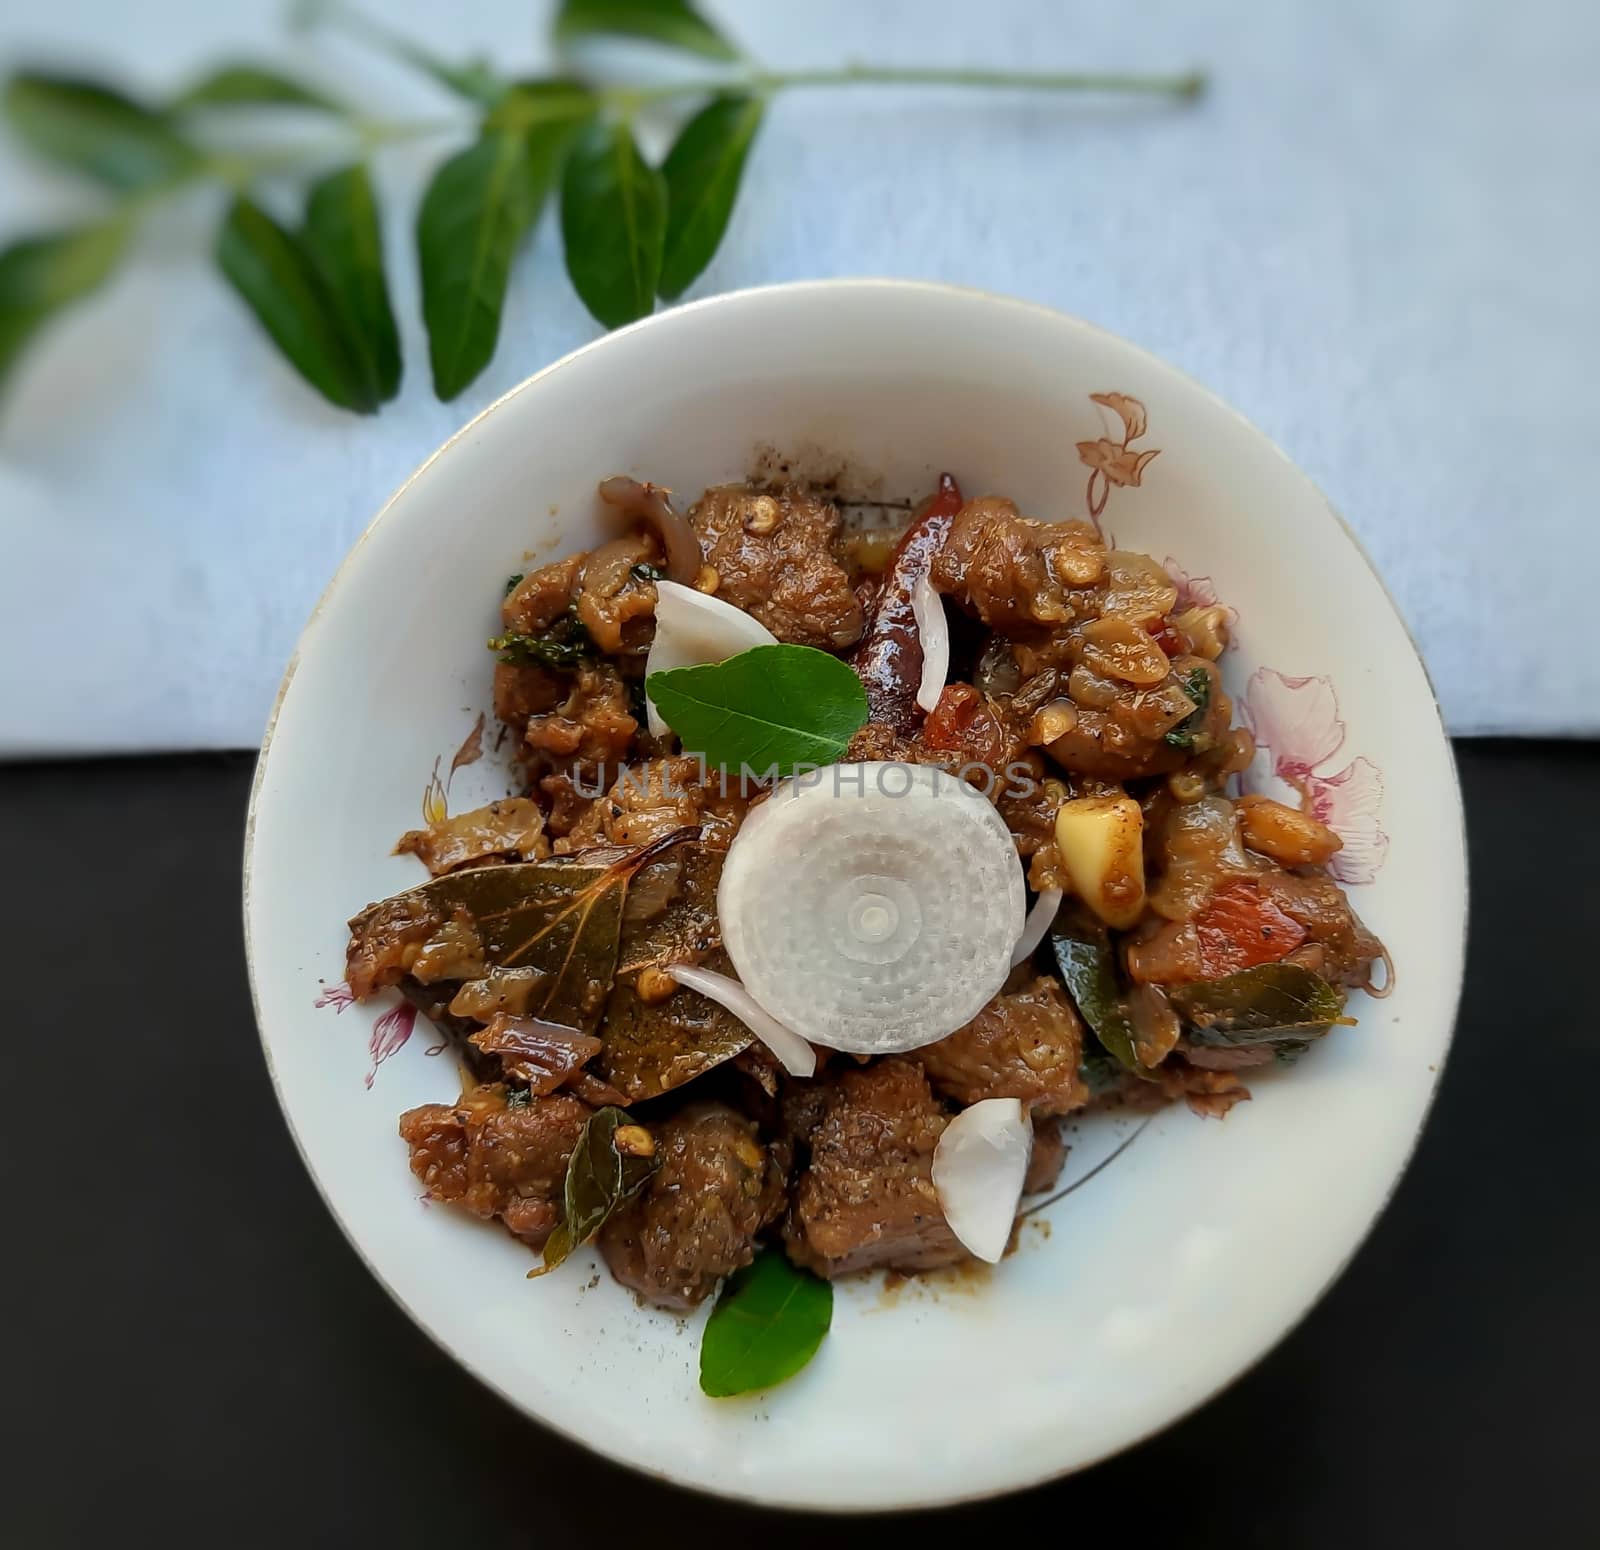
<point x="633" y="233"/>
<point x="771" y="711"/>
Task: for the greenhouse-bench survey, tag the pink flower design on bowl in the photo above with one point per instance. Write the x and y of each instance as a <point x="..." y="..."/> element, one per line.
<point x="1196" y="591"/>
<point x="1298" y="732"/>
<point x="389" y="1033"/>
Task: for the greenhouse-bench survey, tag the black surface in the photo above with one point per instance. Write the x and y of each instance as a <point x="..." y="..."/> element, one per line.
<point x="193" y="1352"/>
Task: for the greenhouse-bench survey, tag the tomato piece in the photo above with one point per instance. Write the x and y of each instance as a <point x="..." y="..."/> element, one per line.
<point x="1238" y="928"/>
<point x="962" y="723"/>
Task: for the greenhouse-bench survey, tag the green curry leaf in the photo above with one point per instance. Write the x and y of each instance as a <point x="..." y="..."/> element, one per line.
<point x="1197" y="685"/>
<point x="771" y="708"/>
<point x="601" y="1176"/>
<point x="252" y="86"/>
<point x="342" y="235"/>
<point x="613" y="224"/>
<point x="97" y="130"/>
<point x="766" y="1326"/>
<point x="1272" y="1003"/>
<point x="675" y="23"/>
<point x="39" y="276"/>
<point x="1083" y="954"/>
<point x="274" y="271"/>
<point x="474" y="214"/>
<point x="703" y="170"/>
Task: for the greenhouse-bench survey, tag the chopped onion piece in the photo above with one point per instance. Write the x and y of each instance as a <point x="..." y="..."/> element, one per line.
<point x="791" y="1051"/>
<point x="933" y="633"/>
<point x="1038" y="922"/>
<point x="872" y="907"/>
<point x="693" y="627"/>
<point x="652" y="506"/>
<point x="978" y="1169"/>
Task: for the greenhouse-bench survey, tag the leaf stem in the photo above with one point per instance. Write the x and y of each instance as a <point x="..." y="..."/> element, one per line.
<point x="476" y="79"/>
<point x="1185" y="86"/>
<point x="1190" y="84"/>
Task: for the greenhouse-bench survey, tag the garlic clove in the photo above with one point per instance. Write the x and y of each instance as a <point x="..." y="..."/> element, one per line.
<point x="1101" y="844"/>
<point x="978" y="1170"/>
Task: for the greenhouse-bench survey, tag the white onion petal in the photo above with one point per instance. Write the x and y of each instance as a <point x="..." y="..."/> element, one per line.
<point x="792" y="1052"/>
<point x="1038" y="922"/>
<point x="933" y="634"/>
<point x="978" y="1169"/>
<point x="872" y="907"/>
<point x="694" y="627"/>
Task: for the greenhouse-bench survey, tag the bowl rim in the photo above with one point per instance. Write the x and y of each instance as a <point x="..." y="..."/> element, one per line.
<point x="825" y="287"/>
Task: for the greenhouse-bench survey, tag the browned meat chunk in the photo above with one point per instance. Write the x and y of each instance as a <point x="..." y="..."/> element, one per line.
<point x="568" y="808"/>
<point x="542" y="596"/>
<point x="965" y="724"/>
<point x="773" y="555"/>
<point x="1088" y="664"/>
<point x="520" y="692"/>
<point x="697" y="1219"/>
<point x="1210" y="1094"/>
<point x="1226" y="1057"/>
<point x="1117" y="727"/>
<point x="1015" y="573"/>
<point x="408" y="935"/>
<point x="1337" y="945"/>
<point x="866" y="1198"/>
<point x="513" y="827"/>
<point x="653" y="798"/>
<point x="1027" y="800"/>
<point x="1025" y="1044"/>
<point x="1048" y="1155"/>
<point x="878" y="741"/>
<point x="592" y="727"/>
<point x="495" y="1159"/>
<point x="385" y="941"/>
<point x="605" y="592"/>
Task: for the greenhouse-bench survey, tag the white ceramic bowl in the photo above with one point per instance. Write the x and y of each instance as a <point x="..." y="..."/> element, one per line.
<point x="1167" y="1273"/>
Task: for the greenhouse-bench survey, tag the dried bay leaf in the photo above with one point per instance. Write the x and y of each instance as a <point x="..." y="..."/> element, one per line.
<point x="651" y="1047"/>
<point x="563" y="918"/>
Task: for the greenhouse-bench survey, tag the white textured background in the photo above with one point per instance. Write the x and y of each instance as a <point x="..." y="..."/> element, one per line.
<point x="1376" y="236"/>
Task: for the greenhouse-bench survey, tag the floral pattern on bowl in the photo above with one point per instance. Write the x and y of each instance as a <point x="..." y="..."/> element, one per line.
<point x="1298" y="733"/>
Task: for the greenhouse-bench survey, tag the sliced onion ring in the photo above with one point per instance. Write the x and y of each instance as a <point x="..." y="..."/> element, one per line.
<point x="978" y="1169"/>
<point x="933" y="633"/>
<point x="1038" y="922"/>
<point x="693" y="627"/>
<point x="872" y="907"/>
<point x="788" y="1048"/>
